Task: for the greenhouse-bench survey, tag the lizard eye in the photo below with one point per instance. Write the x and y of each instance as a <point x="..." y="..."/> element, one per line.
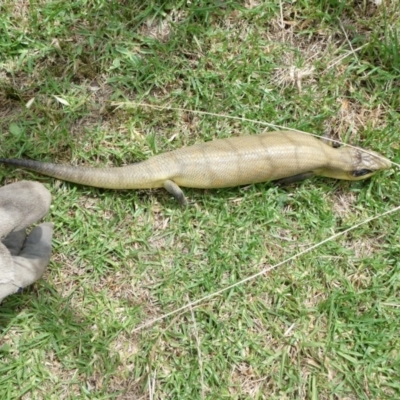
<point x="361" y="172"/>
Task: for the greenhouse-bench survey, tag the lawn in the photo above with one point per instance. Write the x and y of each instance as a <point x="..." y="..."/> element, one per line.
<point x="144" y="299"/>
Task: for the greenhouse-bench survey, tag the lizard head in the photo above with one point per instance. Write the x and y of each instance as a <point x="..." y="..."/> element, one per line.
<point x="366" y="163"/>
<point x="356" y="164"/>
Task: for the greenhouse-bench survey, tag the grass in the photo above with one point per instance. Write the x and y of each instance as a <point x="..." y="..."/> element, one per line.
<point x="324" y="326"/>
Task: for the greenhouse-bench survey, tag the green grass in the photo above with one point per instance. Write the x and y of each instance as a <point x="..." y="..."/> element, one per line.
<point x="324" y="326"/>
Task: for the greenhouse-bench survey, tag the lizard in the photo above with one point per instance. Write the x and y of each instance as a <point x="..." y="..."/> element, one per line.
<point x="223" y="163"/>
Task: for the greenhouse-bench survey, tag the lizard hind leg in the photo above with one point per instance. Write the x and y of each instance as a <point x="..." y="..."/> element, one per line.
<point x="176" y="191"/>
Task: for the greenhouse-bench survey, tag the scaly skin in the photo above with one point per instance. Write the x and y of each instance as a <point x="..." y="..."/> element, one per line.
<point x="224" y="163"/>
